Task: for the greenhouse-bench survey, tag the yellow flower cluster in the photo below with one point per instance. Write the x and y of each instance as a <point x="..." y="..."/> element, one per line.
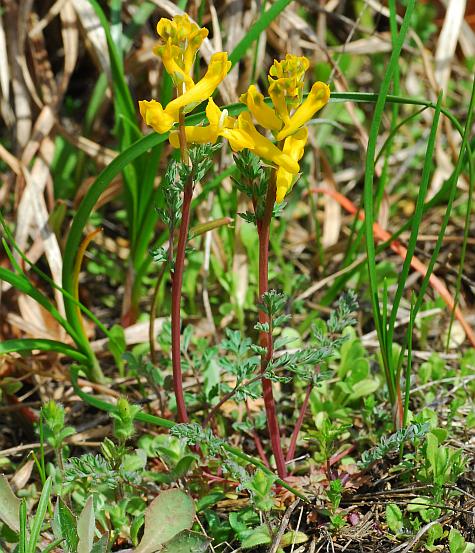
<point x="285" y="117"/>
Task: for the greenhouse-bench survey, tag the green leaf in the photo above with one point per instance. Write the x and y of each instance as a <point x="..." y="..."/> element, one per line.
<point x="101" y="545"/>
<point x="86" y="527"/>
<point x="9" y="505"/>
<point x="134" y="462"/>
<point x="259" y="536"/>
<point x="64" y="526"/>
<point x="183" y="466"/>
<point x="456" y="542"/>
<point x="418" y="504"/>
<point x="293" y="537"/>
<point x="394" y="518"/>
<point x="434" y="533"/>
<point x="440" y="433"/>
<point x="187" y="542"/>
<point x="135" y="528"/>
<point x="364" y="388"/>
<point x="170" y="513"/>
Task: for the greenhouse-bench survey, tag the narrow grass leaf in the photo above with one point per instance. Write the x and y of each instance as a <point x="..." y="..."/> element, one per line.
<point x="416" y="220"/>
<point x="18" y="345"/>
<point x="368" y="194"/>
<point x="39" y="516"/>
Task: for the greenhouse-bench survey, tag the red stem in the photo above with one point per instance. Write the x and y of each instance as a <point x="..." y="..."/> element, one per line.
<point x="265" y="338"/>
<point x="257" y="441"/>
<point x="177" y="283"/>
<point x="298" y="426"/>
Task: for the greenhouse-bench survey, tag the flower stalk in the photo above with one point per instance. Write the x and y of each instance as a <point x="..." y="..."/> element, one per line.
<point x="177" y="280"/>
<point x="266" y="339"/>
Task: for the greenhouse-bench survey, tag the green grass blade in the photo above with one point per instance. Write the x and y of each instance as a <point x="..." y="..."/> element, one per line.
<point x="39" y="516"/>
<point x="22" y="544"/>
<point x="407" y="390"/>
<point x="257" y="28"/>
<point x="466" y="230"/>
<point x="453" y="190"/>
<point x="416" y="220"/>
<point x="48" y="279"/>
<point x="119" y="83"/>
<point x="21" y="283"/>
<point x="368" y="193"/>
<point x="43" y="344"/>
<point x="86" y="207"/>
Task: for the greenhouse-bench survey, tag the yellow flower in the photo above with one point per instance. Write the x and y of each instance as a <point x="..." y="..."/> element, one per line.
<point x="162" y="120"/>
<point x="263" y="114"/>
<point x="265" y="148"/>
<point x="286" y="118"/>
<point x="294" y="147"/>
<point x="318" y="97"/>
<point x="220" y="124"/>
<point x="180" y="41"/>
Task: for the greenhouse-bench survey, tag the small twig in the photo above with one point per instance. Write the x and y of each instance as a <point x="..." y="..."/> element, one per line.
<point x="283" y="526"/>
<point x="297" y="529"/>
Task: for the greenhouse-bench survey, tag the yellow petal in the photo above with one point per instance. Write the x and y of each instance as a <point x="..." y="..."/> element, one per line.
<point x="217" y="70"/>
<point x="284" y="182"/>
<point x="194" y="135"/>
<point x="170" y="55"/>
<point x="166" y="28"/>
<point x="155" y="116"/>
<point x="264" y="148"/>
<point x="213" y="113"/>
<point x="263" y="114"/>
<point x="294" y="147"/>
<point x="277" y="93"/>
<point x="317" y="98"/>
<point x="238" y="139"/>
<point x="195" y="40"/>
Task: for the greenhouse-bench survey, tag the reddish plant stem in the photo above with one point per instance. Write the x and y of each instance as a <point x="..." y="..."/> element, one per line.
<point x="265" y="338"/>
<point x="257" y="440"/>
<point x="177" y="281"/>
<point x="298" y="426"/>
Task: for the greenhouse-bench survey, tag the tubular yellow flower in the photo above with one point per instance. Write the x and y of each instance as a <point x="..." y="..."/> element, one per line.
<point x="263" y="114"/>
<point x="317" y="98"/>
<point x="265" y="148"/>
<point x="294" y="147"/>
<point x="162" y="120"/>
<point x="155" y="116"/>
<point x="217" y="70"/>
<point x="286" y="118"/>
<point x="220" y="124"/>
<point x="180" y="39"/>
